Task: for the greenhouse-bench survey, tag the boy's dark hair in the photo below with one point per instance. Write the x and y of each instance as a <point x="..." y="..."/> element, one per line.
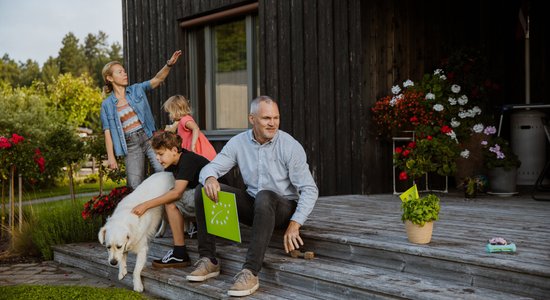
<point x="166" y="140"/>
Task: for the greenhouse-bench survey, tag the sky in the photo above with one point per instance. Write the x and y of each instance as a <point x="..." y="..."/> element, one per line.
<point x="35" y="28"/>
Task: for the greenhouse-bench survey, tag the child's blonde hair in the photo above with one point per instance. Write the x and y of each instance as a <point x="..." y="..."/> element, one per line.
<point x="177" y="106"/>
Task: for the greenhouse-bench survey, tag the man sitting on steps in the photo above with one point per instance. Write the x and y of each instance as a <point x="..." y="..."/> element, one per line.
<point x="280" y="193"/>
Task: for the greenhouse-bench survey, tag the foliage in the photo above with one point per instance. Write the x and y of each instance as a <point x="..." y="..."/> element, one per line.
<point x="74" y="58"/>
<point x="104" y="205"/>
<point x="22" y="154"/>
<point x="231" y="43"/>
<point x="474" y="184"/>
<point x="421" y="210"/>
<point x="51" y="224"/>
<point x="434" y="150"/>
<point x="39" y="292"/>
<point x="497" y="152"/>
<point x="76" y="98"/>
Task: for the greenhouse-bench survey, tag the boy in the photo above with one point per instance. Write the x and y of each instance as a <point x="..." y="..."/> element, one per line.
<point x="179" y="201"/>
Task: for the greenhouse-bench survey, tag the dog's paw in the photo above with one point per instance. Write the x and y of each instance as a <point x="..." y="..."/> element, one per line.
<point x="122" y="273"/>
<point x="138" y="286"/>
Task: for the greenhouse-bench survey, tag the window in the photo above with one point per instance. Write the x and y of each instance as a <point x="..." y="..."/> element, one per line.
<point x="224" y="73"/>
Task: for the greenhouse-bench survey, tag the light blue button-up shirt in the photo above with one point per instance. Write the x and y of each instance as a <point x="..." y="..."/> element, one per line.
<point x="279" y="165"/>
<point x="135" y="95"/>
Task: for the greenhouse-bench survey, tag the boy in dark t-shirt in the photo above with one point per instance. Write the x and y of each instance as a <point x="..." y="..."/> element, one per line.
<point x="179" y="201"/>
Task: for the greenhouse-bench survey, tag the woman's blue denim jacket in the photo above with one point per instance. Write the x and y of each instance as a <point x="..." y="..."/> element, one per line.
<point x="135" y="95"/>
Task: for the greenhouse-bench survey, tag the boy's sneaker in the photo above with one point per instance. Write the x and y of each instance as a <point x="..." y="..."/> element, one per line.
<point x="204" y="269"/>
<point x="170" y="261"/>
<point x="245" y="284"/>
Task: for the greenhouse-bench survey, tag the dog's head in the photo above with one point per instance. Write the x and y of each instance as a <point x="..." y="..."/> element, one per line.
<point x="117" y="238"/>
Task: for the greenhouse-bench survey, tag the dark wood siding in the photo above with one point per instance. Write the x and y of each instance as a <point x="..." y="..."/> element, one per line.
<point x="327" y="62"/>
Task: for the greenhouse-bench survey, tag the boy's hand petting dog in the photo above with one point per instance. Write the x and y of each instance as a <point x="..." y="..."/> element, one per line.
<point x="140" y="209"/>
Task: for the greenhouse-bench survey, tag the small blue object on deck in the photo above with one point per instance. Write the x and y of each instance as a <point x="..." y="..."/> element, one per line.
<point x="500" y="248"/>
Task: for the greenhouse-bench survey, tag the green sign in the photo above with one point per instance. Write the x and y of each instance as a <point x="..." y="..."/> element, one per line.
<point x="222" y="218"/>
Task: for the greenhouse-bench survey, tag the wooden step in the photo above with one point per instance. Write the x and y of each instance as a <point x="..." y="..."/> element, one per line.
<point x="281" y="277"/>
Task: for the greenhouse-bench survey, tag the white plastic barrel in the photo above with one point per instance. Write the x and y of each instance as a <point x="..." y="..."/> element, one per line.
<point x="528" y="142"/>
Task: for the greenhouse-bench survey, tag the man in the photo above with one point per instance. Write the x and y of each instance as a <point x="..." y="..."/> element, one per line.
<point x="280" y="193"/>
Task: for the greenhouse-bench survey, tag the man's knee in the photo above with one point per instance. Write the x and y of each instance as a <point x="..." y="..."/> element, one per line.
<point x="265" y="201"/>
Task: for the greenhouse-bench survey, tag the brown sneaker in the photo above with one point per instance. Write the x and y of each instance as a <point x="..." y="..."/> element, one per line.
<point x="245" y="284"/>
<point x="204" y="269"/>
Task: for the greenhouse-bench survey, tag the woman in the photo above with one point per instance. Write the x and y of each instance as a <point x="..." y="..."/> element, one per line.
<point x="128" y="121"/>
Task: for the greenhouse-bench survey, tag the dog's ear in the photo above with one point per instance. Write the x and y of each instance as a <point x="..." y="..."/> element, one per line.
<point x="101" y="235"/>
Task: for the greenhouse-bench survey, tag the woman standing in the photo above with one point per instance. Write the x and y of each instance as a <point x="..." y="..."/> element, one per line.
<point x="128" y="121"/>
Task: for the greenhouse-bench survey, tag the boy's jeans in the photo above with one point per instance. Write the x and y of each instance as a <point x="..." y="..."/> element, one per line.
<point x="265" y="213"/>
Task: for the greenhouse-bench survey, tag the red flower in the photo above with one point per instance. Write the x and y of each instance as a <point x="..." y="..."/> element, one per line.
<point x="406" y="153"/>
<point x="413" y="119"/>
<point x="4" y="143"/>
<point x="446" y="129"/>
<point x="398" y="150"/>
<point x="16" y="139"/>
<point x="429" y="137"/>
<point x="403" y="176"/>
<point x="412" y="145"/>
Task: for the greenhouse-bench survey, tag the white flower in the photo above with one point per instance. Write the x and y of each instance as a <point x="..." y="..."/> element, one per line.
<point x="463" y="100"/>
<point x="452" y="101"/>
<point x="430" y="96"/>
<point x="465" y="153"/>
<point x="454" y="123"/>
<point x="438" y="107"/>
<point x="476" y="110"/>
<point x="438" y="71"/>
<point x="393" y="101"/>
<point x="478" y="128"/>
<point x="443" y="77"/>
<point x="395" y="89"/>
<point x="452" y="134"/>
<point x="408" y="83"/>
<point x="455" y="88"/>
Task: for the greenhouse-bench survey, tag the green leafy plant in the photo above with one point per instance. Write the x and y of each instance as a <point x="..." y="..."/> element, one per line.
<point x="421" y="210"/>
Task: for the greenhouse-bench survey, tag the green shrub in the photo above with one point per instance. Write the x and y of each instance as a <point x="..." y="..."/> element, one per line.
<point x="66" y="292"/>
<point x="61" y="223"/>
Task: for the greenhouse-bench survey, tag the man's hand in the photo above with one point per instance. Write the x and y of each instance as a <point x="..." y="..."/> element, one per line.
<point x="212" y="187"/>
<point x="292" y="239"/>
<point x="140" y="209"/>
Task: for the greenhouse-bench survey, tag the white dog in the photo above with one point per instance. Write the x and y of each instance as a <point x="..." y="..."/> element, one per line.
<point x="125" y="231"/>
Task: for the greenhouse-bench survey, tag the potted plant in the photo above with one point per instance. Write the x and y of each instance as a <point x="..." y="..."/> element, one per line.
<point x="501" y="162"/>
<point x="419" y="213"/>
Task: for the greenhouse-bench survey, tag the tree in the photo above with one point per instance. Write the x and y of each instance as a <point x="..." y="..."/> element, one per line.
<point x="76" y="98"/>
<point x="9" y="70"/>
<point x="71" y="59"/>
<point x="50" y="70"/>
<point x="30" y="71"/>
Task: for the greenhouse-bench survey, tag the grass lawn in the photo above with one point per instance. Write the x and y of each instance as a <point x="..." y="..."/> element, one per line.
<point x="66" y="292"/>
<point x="32" y="194"/>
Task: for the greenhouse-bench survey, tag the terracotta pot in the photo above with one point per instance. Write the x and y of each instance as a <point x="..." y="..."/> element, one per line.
<point x="419" y="234"/>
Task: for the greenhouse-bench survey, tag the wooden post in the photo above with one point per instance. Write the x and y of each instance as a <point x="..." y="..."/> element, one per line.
<point x="20" y="182"/>
<point x="12" y="202"/>
<point x="3" y="212"/>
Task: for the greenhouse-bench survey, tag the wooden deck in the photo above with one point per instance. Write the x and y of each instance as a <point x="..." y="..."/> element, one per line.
<point x="362" y="252"/>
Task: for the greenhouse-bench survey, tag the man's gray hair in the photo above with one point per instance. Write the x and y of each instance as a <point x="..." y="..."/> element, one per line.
<point x="256" y="102"/>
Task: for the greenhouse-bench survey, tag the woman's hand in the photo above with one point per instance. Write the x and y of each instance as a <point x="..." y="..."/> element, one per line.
<point x="174" y="58"/>
<point x="140" y="209"/>
<point x="112" y="163"/>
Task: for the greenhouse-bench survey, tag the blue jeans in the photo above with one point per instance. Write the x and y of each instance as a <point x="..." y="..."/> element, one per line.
<point x="138" y="149"/>
<point x="266" y="212"/>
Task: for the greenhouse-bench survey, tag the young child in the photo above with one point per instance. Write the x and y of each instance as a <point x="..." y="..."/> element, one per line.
<point x="178" y="202"/>
<point x="193" y="139"/>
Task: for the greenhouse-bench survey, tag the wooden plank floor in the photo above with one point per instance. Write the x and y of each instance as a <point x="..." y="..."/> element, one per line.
<point x="462" y="232"/>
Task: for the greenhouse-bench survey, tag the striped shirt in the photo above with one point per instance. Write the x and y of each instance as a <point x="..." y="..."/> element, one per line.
<point x="128" y="118"/>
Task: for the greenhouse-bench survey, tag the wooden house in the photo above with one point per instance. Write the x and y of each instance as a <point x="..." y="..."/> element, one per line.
<point x="326" y="62"/>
